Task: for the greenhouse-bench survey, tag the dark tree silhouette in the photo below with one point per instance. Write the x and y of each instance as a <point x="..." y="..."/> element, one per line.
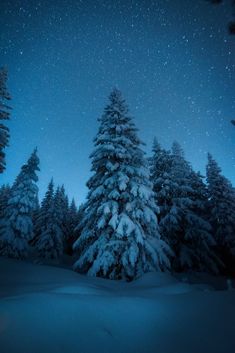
<point x="231" y="25"/>
<point x="4" y="115"/>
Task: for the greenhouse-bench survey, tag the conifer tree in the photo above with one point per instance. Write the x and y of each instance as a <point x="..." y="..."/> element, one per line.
<point x="62" y="209"/>
<point x="199" y="229"/>
<point x="182" y="202"/>
<point x="16" y="228"/>
<point x="42" y="214"/>
<point x="160" y="175"/>
<point x="49" y="243"/>
<point x="119" y="237"/>
<point x="72" y="222"/>
<point x="221" y="208"/>
<point x="35" y="216"/>
<point x="73" y="215"/>
<point x="4" y="115"/>
<point x="79" y="223"/>
<point x="4" y="197"/>
<point x="170" y="176"/>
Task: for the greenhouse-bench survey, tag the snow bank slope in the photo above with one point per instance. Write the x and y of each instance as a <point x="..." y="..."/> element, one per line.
<point x="46" y="309"/>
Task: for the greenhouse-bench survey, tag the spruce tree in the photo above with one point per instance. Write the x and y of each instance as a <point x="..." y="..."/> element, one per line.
<point x="160" y="175"/>
<point x="199" y="229"/>
<point x="4" y="197"/>
<point x="49" y="243"/>
<point x="62" y="209"/>
<point x="221" y="209"/>
<point x="72" y="222"/>
<point x="182" y="202"/>
<point x="16" y="228"/>
<point x="172" y="184"/>
<point x="73" y="215"/>
<point x="42" y="215"/>
<point x="79" y="223"/>
<point x="35" y="216"/>
<point x="4" y="115"/>
<point x="119" y="237"/>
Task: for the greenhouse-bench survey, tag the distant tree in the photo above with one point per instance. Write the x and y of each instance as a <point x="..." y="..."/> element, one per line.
<point x="62" y="209"/>
<point x="49" y="241"/>
<point x="179" y="193"/>
<point x="200" y="196"/>
<point x="35" y="215"/>
<point x="73" y="215"/>
<point x="160" y="174"/>
<point x="215" y="2"/>
<point x="198" y="226"/>
<point x="78" y="226"/>
<point x="119" y="237"/>
<point x="222" y="209"/>
<point x="72" y="222"/>
<point x="4" y="197"/>
<point x="4" y="115"/>
<point x="80" y="214"/>
<point x="41" y="216"/>
<point x="16" y="228"/>
<point x="231" y="25"/>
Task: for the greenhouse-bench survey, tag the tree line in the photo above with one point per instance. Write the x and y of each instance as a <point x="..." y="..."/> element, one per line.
<point x="141" y="213"/>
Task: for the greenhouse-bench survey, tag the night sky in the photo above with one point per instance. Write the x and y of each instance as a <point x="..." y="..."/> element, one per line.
<point x="173" y="60"/>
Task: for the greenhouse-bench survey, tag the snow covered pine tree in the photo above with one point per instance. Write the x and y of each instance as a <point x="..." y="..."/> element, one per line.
<point x="4" y="115"/>
<point x="182" y="220"/>
<point x="222" y="212"/>
<point x="160" y="175"/>
<point x="4" y="197"/>
<point x="72" y="222"/>
<point x="41" y="218"/>
<point x="119" y="237"/>
<point x="49" y="236"/>
<point x="16" y="228"/>
<point x="62" y="209"/>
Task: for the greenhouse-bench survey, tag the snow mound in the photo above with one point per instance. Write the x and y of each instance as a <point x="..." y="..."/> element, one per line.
<point x="88" y="290"/>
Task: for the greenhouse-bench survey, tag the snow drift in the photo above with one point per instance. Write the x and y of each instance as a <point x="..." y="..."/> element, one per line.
<point x="48" y="309"/>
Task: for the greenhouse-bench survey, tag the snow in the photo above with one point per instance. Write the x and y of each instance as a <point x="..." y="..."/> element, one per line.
<point x="49" y="309"/>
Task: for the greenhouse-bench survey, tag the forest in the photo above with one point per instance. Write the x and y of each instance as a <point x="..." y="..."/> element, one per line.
<point x="117" y="176"/>
<point x="142" y="213"/>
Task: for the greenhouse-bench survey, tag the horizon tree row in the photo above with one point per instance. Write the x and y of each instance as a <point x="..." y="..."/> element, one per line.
<point x="119" y="233"/>
<point x="141" y="214"/>
<point x="30" y="229"/>
<point x="196" y="219"/>
<point x="4" y="116"/>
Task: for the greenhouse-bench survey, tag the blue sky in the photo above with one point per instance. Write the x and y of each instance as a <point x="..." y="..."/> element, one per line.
<point x="173" y="60"/>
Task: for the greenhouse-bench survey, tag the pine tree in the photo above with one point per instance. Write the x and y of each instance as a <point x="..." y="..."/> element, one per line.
<point x="221" y="208"/>
<point x="119" y="237"/>
<point x="180" y="194"/>
<point x="72" y="222"/>
<point x="35" y="216"/>
<point x="73" y="215"/>
<point x="199" y="229"/>
<point x="16" y="228"/>
<point x="42" y="216"/>
<point x="49" y="242"/>
<point x="173" y="186"/>
<point x="62" y="210"/>
<point x="4" y="197"/>
<point x="80" y="214"/>
<point x="160" y="175"/>
<point x="79" y="222"/>
<point x="4" y="115"/>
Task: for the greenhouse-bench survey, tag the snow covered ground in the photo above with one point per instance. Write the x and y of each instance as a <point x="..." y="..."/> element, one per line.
<point x="45" y="309"/>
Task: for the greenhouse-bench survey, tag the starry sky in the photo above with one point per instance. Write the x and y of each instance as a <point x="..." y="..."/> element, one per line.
<point x="172" y="59"/>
